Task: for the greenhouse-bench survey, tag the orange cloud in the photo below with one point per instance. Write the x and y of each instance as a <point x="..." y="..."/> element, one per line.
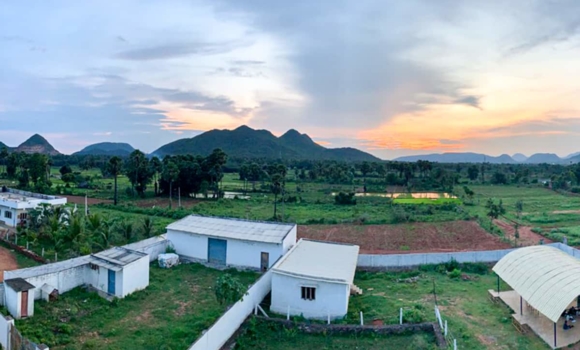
<point x="323" y="143"/>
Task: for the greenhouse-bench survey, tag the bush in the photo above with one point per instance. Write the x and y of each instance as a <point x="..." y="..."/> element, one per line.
<point x="451" y="265"/>
<point x="455" y="274"/>
<point x="414" y="315"/>
<point x="344" y="199"/>
<point x="477" y="268"/>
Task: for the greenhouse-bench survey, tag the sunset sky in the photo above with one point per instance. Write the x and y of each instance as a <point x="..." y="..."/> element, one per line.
<point x="390" y="77"/>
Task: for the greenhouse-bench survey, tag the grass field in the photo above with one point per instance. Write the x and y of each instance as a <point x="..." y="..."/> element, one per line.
<point x="265" y="336"/>
<point x="473" y="320"/>
<point x="170" y="313"/>
<point x="541" y="206"/>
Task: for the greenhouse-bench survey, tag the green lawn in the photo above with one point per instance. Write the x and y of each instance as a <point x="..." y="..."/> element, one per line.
<point x="426" y="201"/>
<point x="473" y="320"/>
<point x="170" y="313"/>
<point x="261" y="335"/>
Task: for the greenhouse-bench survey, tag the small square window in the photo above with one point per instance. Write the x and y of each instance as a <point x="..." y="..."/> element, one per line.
<point x="308" y="293"/>
<point x="8" y="214"/>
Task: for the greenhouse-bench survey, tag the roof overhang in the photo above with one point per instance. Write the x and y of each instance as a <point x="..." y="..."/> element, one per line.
<point x="546" y="277"/>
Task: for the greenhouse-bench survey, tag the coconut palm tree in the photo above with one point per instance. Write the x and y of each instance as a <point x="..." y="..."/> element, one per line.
<point x="114" y="167"/>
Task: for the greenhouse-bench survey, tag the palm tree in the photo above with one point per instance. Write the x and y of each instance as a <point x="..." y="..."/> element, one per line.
<point x="114" y="167"/>
<point x="170" y="174"/>
<point x="147" y="227"/>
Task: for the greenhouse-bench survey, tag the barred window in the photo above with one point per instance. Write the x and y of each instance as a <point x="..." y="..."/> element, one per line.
<point x="308" y="293"/>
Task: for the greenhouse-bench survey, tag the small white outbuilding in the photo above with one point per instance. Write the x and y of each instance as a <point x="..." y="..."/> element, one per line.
<point x="231" y="242"/>
<point x="314" y="279"/>
<point x="18" y="301"/>
<point x="119" y="271"/>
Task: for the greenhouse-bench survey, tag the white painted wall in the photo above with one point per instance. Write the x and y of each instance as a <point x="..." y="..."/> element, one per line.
<point x="152" y="246"/>
<point x="6" y="322"/>
<point x="9" y="222"/>
<point x="118" y="283"/>
<point x="12" y="301"/>
<point x="239" y="253"/>
<point x="228" y="323"/>
<point x="248" y="254"/>
<point x="188" y="245"/>
<point x="290" y="239"/>
<point x="98" y="278"/>
<point x="135" y="276"/>
<point x="331" y="298"/>
<point x="62" y="280"/>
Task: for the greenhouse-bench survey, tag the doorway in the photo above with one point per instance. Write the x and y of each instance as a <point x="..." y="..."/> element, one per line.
<point x="264" y="261"/>
<point x="24" y="304"/>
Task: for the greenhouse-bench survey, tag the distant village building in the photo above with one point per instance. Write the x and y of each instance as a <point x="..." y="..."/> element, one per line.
<point x="231" y="242"/>
<point x="314" y="279"/>
<point x="15" y="204"/>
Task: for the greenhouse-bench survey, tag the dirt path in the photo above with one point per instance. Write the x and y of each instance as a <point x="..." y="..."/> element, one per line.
<point x="527" y="237"/>
<point x="7" y="262"/>
<point x="407" y="238"/>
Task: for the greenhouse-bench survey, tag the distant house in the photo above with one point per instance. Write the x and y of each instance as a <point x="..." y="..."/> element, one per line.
<point x="231" y="242"/>
<point x="115" y="272"/>
<point x="14" y="204"/>
<point x="314" y="279"/>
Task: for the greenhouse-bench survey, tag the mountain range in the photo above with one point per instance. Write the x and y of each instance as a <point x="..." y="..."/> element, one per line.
<point x="467" y="157"/>
<point x="245" y="142"/>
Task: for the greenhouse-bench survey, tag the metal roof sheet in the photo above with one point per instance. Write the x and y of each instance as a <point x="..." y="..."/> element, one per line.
<point x="116" y="257"/>
<point x="325" y="261"/>
<point x="547" y="278"/>
<point x="257" y="231"/>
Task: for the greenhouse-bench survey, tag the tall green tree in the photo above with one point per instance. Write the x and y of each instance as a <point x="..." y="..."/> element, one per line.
<point x="170" y="174"/>
<point x="115" y="167"/>
<point x="156" y="168"/>
<point x="138" y="171"/>
<point x="3" y="158"/>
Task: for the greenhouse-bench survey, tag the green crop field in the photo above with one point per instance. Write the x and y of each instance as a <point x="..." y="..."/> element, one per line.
<point x="170" y="313"/>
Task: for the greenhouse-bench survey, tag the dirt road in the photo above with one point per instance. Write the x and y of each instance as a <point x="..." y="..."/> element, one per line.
<point x="527" y="237"/>
<point x="7" y="262"/>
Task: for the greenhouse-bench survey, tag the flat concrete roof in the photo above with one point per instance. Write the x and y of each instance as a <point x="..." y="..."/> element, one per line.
<point x="321" y="261"/>
<point x="115" y="258"/>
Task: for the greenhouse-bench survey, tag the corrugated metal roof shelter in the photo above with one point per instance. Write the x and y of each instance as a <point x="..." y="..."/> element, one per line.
<point x="545" y="277"/>
<point x="115" y="258"/>
<point x="322" y="261"/>
<point x="256" y="231"/>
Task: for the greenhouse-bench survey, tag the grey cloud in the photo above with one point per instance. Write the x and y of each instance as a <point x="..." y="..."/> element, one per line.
<point x="450" y="142"/>
<point x="161" y="52"/>
<point x="471" y="100"/>
<point x="121" y="39"/>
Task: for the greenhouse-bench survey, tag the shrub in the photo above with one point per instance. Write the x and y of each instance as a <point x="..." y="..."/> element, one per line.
<point x="414" y="315"/>
<point x="451" y="265"/>
<point x="455" y="274"/>
<point x="345" y="199"/>
<point x="477" y="268"/>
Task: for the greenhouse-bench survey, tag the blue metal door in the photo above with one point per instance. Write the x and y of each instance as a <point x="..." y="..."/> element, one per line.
<point x="111" y="282"/>
<point x="217" y="250"/>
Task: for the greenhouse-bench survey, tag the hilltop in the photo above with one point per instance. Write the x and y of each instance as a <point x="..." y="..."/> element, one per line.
<point x="106" y="148"/>
<point x="36" y="144"/>
<point x="458" y="158"/>
<point x="245" y="142"/>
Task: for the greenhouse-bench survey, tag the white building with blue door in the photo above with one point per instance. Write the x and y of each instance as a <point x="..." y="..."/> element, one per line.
<point x="115" y="272"/>
<point x="231" y="242"/>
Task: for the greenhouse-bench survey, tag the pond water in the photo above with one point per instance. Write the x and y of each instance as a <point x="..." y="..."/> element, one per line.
<point x="232" y="195"/>
<point x="429" y="195"/>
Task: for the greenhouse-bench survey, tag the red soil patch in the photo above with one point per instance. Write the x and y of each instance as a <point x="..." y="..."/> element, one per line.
<point x="408" y="238"/>
<point x="527" y="237"/>
<point x="7" y="262"/>
<point x="163" y="202"/>
<point x="80" y="200"/>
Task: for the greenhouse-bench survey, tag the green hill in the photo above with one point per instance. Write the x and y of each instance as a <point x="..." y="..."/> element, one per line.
<point x="37" y="144"/>
<point x="245" y="142"/>
<point x="106" y="148"/>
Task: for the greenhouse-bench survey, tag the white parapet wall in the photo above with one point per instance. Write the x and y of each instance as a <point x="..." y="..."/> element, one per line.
<point x="152" y="246"/>
<point x="413" y="260"/>
<point x="215" y="337"/>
